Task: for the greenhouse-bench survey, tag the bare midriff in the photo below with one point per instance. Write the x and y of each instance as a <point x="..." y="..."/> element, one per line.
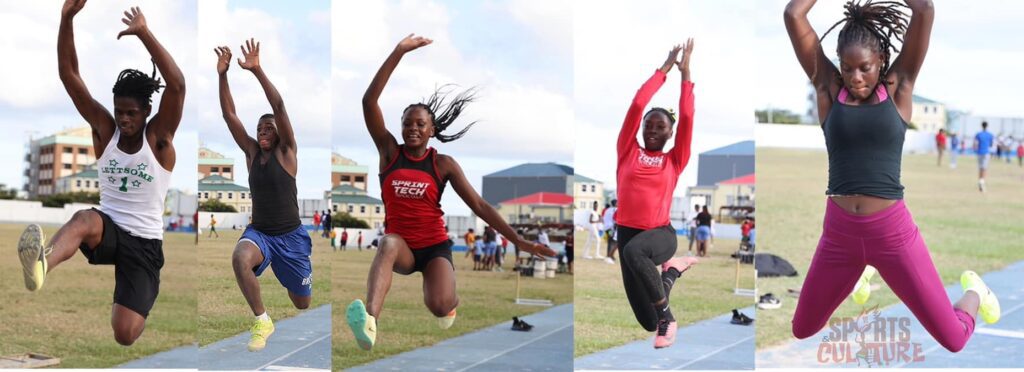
<point x="861" y="204"/>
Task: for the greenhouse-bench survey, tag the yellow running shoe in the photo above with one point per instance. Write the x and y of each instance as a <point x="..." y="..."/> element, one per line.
<point x="446" y="321"/>
<point x="260" y="331"/>
<point x="989" y="307"/>
<point x="862" y="291"/>
<point x="363" y="325"/>
<point x="33" y="257"/>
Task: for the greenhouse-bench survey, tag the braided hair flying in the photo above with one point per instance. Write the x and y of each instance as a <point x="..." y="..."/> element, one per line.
<point x="444" y="111"/>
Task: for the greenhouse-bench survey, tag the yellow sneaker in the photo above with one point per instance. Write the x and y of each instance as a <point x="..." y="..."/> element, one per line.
<point x="989" y="307"/>
<point x="446" y="321"/>
<point x="33" y="257"/>
<point x="260" y="331"/>
<point x="363" y="325"/>
<point x="862" y="291"/>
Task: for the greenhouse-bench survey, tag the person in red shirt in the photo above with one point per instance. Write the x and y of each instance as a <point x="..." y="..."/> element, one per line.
<point x="940" y="144"/>
<point x="316" y="222"/>
<point x="413" y="176"/>
<point x="647" y="177"/>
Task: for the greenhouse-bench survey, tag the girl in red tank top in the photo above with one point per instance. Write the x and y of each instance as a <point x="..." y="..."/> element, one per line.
<point x="413" y="176"/>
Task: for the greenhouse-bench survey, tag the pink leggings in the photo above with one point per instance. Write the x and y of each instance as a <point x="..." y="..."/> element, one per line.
<point x="890" y="241"/>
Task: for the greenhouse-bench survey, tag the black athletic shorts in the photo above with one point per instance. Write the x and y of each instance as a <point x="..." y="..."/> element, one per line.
<point x="424" y="255"/>
<point x="137" y="263"/>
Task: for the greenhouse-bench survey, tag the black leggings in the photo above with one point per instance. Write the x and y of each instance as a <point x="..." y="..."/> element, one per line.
<point x="641" y="252"/>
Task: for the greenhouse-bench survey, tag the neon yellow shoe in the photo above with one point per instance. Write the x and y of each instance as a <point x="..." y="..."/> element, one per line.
<point x="260" y="331"/>
<point x="446" y="321"/>
<point x="862" y="291"/>
<point x="989" y="308"/>
<point x="33" y="257"/>
<point x="363" y="325"/>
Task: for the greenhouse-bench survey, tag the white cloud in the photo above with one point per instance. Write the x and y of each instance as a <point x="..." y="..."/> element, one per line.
<point x="971" y="64"/>
<point x="34" y="102"/>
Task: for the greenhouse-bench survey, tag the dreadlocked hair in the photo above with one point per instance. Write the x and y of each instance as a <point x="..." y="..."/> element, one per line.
<point x="136" y="84"/>
<point x="444" y="110"/>
<point x="668" y="113"/>
<point x="874" y="25"/>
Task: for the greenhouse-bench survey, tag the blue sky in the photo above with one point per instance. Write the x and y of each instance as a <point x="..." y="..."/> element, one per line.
<point x="518" y="52"/>
<point x="34" y="102"/>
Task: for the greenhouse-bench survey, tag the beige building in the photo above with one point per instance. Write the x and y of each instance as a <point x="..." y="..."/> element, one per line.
<point x="355" y="202"/>
<point x="928" y="116"/>
<point x="218" y="187"/>
<point x="586" y="191"/>
<point x="345" y="171"/>
<point x="86" y="180"/>
<point x="729" y="197"/>
<point x="56" y="156"/>
<point x="212" y="163"/>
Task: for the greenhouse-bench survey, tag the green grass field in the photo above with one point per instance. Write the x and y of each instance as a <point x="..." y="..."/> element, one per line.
<point x="223" y="311"/>
<point x="69" y="317"/>
<point x="964" y="229"/>
<point x="485" y="299"/>
<point x="604" y="318"/>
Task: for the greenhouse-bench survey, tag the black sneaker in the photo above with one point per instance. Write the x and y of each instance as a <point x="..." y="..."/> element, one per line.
<point x="769" y="302"/>
<point x="520" y="325"/>
<point x="740" y="318"/>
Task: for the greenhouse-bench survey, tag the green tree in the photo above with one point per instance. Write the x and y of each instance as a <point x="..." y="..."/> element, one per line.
<point x="7" y="193"/>
<point x="343" y="219"/>
<point x="215" y="205"/>
<point x="58" y="200"/>
<point x="778" y="117"/>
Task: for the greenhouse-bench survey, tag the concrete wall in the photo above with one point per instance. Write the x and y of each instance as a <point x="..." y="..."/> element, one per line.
<point x="23" y="211"/>
<point x="811" y="137"/>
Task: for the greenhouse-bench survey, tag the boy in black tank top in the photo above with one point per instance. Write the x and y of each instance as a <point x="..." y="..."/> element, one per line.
<point x="276" y="236"/>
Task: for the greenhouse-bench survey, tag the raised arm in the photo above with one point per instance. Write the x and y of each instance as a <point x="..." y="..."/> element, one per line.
<point x="915" y="46"/>
<point x="227" y="106"/>
<point x="631" y="125"/>
<point x="684" y="131"/>
<point x="816" y="65"/>
<point x="92" y="111"/>
<point x="453" y="172"/>
<point x="172" y="101"/>
<point x="382" y="138"/>
<point x="285" y="132"/>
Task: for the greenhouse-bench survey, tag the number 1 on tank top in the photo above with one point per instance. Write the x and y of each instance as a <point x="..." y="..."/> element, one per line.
<point x="124" y="184"/>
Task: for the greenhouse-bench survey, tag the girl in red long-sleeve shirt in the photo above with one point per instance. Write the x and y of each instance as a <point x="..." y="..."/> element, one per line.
<point x="646" y="178"/>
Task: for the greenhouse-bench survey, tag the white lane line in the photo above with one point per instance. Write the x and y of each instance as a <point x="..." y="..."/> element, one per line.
<point x="1000" y="333"/>
<point x="295" y="351"/>
<point x="515" y="348"/>
<point x="287" y="368"/>
<point x="719" y="350"/>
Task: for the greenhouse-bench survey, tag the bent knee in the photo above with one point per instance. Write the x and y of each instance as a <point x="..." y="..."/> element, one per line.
<point x="126" y="335"/>
<point x="442" y="306"/>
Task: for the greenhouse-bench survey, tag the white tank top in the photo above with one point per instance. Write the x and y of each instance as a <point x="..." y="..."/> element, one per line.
<point x="133" y="188"/>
